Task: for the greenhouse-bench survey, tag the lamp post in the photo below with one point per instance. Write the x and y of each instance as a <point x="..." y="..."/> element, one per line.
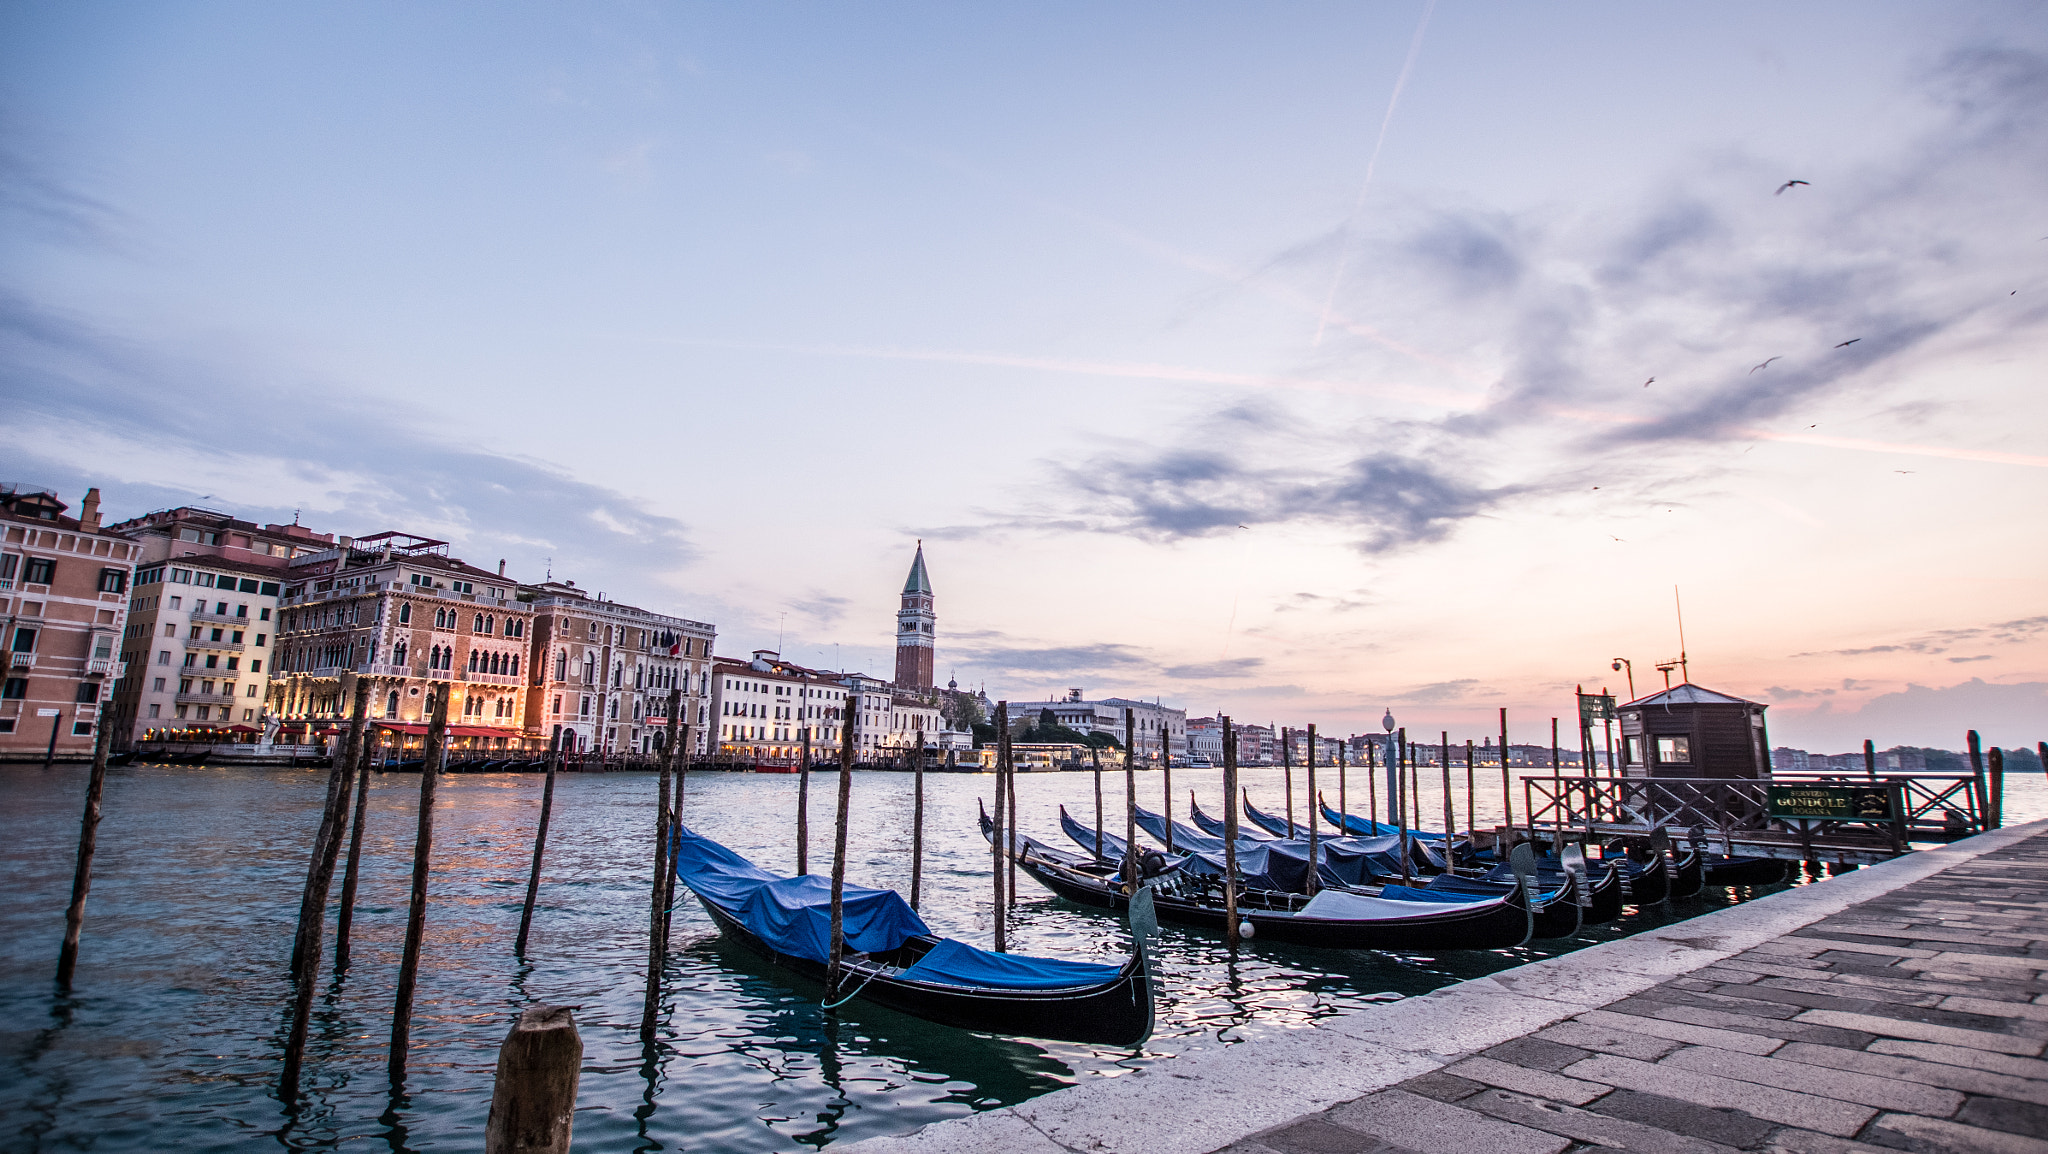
<point x="1621" y="663"/>
<point x="1391" y="772"/>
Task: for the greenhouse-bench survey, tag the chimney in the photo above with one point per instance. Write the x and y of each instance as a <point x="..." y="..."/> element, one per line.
<point x="89" y="509"/>
<point x="346" y="542"/>
<point x="501" y="566"/>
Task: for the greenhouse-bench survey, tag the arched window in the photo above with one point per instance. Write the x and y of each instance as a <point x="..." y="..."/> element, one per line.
<point x="561" y="665"/>
<point x="398" y="654"/>
<point x="405" y="613"/>
<point x="391" y="706"/>
<point x="490" y="623"/>
<point x="515" y="665"/>
<point x="478" y="627"/>
<point x="472" y="661"/>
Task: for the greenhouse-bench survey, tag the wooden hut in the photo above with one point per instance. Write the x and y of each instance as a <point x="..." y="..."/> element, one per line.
<point x="1688" y="731"/>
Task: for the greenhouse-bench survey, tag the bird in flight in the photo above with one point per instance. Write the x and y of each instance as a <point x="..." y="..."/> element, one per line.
<point x="1766" y="364"/>
<point x="1786" y="185"/>
<point x="1905" y="470"/>
<point x="1847" y="343"/>
<point x="1648" y="383"/>
<point x="1610" y="535"/>
<point x="1244" y="526"/>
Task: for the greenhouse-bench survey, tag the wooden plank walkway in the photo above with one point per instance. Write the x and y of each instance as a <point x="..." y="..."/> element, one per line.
<point x="1899" y="1007"/>
<point x="1912" y="1021"/>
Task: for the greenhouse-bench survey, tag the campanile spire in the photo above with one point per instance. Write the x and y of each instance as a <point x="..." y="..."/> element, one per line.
<point x="916" y="626"/>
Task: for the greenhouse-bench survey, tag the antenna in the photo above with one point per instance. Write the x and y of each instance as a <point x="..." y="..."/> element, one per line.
<point x="1683" y="670"/>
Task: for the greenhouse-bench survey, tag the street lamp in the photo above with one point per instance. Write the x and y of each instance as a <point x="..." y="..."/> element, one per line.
<point x="1621" y="663"/>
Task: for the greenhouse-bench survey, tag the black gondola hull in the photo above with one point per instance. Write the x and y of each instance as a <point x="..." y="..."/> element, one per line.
<point x="1116" y="1013"/>
<point x="1744" y="871"/>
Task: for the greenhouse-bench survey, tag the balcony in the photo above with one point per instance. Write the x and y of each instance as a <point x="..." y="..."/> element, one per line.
<point x="223" y="646"/>
<point x="106" y="666"/>
<point x="203" y="615"/>
<point x="489" y="678"/>
<point x="21" y="661"/>
<point x="205" y="699"/>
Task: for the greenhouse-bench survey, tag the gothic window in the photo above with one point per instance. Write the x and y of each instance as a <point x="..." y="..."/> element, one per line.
<point x="405" y="613"/>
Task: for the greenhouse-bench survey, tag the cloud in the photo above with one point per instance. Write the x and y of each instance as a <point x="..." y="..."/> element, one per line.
<point x="825" y="609"/>
<point x="2017" y="631"/>
<point x="1961" y="660"/>
<point x="1440" y="692"/>
<point x="1215" y="670"/>
<point x="1017" y="659"/>
<point x="311" y="445"/>
<point x="1934" y="716"/>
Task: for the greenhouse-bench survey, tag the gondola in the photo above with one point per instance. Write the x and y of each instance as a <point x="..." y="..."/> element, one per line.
<point x="1332" y="919"/>
<point x="1737" y="870"/>
<point x="119" y="759"/>
<point x="893" y="960"/>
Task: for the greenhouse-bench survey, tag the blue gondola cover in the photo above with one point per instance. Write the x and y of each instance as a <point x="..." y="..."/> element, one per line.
<point x="793" y="915"/>
<point x="955" y="963"/>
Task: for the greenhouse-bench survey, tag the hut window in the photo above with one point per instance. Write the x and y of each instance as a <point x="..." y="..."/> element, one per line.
<point x="1674" y="750"/>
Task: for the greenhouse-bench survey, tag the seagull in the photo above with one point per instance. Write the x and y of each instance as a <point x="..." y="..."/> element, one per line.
<point x="1613" y="537"/>
<point x="1786" y="185"/>
<point x="1766" y="364"/>
<point x="1648" y="383"/>
<point x="1905" y="470"/>
<point x="1847" y="343"/>
<point x="1244" y="526"/>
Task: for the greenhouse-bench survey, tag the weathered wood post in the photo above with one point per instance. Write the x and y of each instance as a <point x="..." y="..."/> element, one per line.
<point x="1977" y="769"/>
<point x="1471" y="808"/>
<point x="917" y="822"/>
<point x="1507" y="790"/>
<point x="998" y="845"/>
<point x="675" y="826"/>
<point x="803" y="799"/>
<point x="416" y="912"/>
<point x="1372" y="788"/>
<point x="1343" y="794"/>
<point x="88" y="845"/>
<point x="1869" y="759"/>
<point x="540" y="843"/>
<point x="533" y="1103"/>
<point x="1450" y="821"/>
<point x="1996" y="817"/>
<point x="1401" y="755"/>
<point x="1229" y="834"/>
<point x="657" y="951"/>
<point x="1096" y="751"/>
<point x="1131" y="799"/>
<point x="1315" y="859"/>
<point x="346" y="917"/>
<point x="1166" y="771"/>
<point x="1010" y="794"/>
<point x="1287" y="772"/>
<point x="839" y="861"/>
<point x="313" y="912"/>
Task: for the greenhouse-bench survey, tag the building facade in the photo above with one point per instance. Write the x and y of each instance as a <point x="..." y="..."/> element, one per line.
<point x="201" y="622"/>
<point x="602" y="673"/>
<point x="64" y="586"/>
<point x="761" y="706"/>
<point x="397" y="609"/>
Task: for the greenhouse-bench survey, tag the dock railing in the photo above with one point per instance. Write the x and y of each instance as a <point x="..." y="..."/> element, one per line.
<point x="1734" y="814"/>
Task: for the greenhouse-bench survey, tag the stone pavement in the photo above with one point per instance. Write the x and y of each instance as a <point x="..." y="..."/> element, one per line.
<point x="1912" y="1021"/>
<point x="1902" y="1006"/>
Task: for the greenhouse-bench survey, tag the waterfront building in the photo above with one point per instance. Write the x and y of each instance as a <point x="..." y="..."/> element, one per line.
<point x="761" y="705"/>
<point x="1106" y="716"/>
<point x="916" y="629"/>
<point x="200" y="622"/>
<point x="64" y="595"/>
<point x="397" y="608"/>
<point x="1691" y="731"/>
<point x="602" y="672"/>
<point x="1205" y="740"/>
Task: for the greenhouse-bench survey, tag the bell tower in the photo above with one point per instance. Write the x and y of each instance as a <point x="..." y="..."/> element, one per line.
<point x="915" y="628"/>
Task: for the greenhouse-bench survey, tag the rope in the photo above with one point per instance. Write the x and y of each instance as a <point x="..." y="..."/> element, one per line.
<point x="856" y="992"/>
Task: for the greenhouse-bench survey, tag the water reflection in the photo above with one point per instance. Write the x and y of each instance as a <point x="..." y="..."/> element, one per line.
<point x="178" y="1025"/>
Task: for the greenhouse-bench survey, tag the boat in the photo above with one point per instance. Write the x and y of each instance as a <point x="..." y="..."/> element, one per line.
<point x="892" y="959"/>
<point x="1398" y="919"/>
<point x="1738" y="870"/>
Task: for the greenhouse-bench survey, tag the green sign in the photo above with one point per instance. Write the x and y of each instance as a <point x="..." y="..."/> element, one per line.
<point x="1831" y="802"/>
<point x="1596" y="707"/>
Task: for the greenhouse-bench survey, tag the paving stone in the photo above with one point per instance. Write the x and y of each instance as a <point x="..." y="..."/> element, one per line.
<point x="1587" y="1126"/>
<point x="1994" y="1008"/>
<point x="1676" y="1031"/>
<point x="1792" y="1140"/>
<point x="1432" y="1127"/>
<point x="1842" y="988"/>
<point x="1826" y="1081"/>
<point x="1941" y="1136"/>
<point x="1522" y="1079"/>
<point x="1924" y="1032"/>
<point x="1664" y="996"/>
<point x="1441" y="1086"/>
<point x="1840" y="998"/>
<point x="1786" y="947"/>
<point x="1790" y="1107"/>
<point x="1925" y="933"/>
<point x="1992" y="988"/>
<point x="1728" y="1127"/>
<point x="2004" y="1114"/>
<point x="1777" y="967"/>
<point x="1315" y="1136"/>
<point x="1967" y="1079"/>
<point x="1825" y="943"/>
<point x="1628" y="1043"/>
<point x="1987" y="962"/>
<point x="1537" y="1053"/>
<point x="1786" y="1030"/>
<point x="1962" y="1056"/>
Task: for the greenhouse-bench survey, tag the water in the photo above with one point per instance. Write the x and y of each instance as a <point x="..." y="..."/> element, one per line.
<point x="175" y="1030"/>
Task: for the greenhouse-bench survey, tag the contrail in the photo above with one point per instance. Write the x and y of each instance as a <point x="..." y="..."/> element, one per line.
<point x="1357" y="206"/>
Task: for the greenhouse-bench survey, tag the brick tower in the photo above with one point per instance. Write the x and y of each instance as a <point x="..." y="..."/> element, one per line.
<point x="914" y="628"/>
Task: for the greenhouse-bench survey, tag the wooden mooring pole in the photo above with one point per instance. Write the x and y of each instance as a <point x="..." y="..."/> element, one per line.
<point x="345" y="919"/>
<point x="1315" y="859"/>
<point x="998" y="845"/>
<point x="1287" y="771"/>
<point x="1372" y="787"/>
<point x="1010" y="799"/>
<point x="1166" y="771"/>
<point x="1130" y="800"/>
<point x="657" y="955"/>
<point x="1343" y="794"/>
<point x="540" y="844"/>
<point x="1471" y="808"/>
<point x="1507" y="791"/>
<point x="1869" y="759"/>
<point x="1401" y="792"/>
<point x="917" y="822"/>
<point x="839" y="862"/>
<point x="1995" y="819"/>
<point x="313" y="913"/>
<point x="681" y="756"/>
<point x="1450" y="820"/>
<point x="1229" y="834"/>
<point x="1983" y="797"/>
<point x="533" y="1102"/>
<point x="416" y="911"/>
<point x="1096" y="752"/>
<point x="88" y="845"/>
<point x="803" y="799"/>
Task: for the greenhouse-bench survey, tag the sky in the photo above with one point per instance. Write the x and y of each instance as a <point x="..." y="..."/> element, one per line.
<point x="1295" y="361"/>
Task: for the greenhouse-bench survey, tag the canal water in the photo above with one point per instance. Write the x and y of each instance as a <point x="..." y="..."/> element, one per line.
<point x="173" y="1034"/>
